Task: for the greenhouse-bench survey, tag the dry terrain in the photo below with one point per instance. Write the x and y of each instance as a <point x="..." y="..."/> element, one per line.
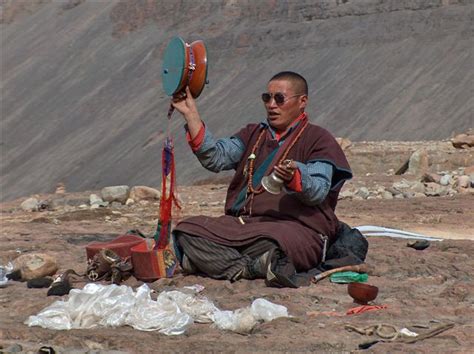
<point x="420" y="288"/>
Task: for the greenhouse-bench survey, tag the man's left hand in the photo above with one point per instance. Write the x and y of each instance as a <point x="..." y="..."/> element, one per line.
<point x="286" y="170"/>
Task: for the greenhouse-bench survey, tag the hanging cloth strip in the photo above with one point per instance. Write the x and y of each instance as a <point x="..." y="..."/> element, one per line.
<point x="168" y="196"/>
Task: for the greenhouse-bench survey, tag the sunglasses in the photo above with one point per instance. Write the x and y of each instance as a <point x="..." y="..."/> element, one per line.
<point x="277" y="96"/>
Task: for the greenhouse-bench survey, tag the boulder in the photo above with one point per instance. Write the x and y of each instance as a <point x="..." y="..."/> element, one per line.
<point x="418" y="163"/>
<point x="35" y="265"/>
<point x="463" y="141"/>
<point x="138" y="193"/>
<point x="30" y="204"/>
<point x="115" y="194"/>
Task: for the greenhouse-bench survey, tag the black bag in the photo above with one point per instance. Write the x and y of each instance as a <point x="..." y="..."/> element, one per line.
<point x="350" y="248"/>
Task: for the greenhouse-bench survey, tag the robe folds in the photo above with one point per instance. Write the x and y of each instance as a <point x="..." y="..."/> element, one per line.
<point x="297" y="228"/>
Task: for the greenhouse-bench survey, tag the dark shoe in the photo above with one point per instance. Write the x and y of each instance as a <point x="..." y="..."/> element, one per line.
<point x="258" y="267"/>
<point x="188" y="266"/>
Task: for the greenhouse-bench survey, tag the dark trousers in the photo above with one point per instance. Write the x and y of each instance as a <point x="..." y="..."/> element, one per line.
<point x="218" y="261"/>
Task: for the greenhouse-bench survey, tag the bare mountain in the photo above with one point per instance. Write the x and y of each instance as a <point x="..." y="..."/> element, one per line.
<point x="81" y="100"/>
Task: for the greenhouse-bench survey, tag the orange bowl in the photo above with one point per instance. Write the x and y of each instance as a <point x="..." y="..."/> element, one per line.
<point x="362" y="293"/>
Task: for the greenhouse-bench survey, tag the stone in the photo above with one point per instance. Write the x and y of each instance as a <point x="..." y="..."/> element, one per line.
<point x="435" y="190"/>
<point x="464" y="182"/>
<point x="445" y="180"/>
<point x="419" y="195"/>
<point x="387" y="195"/>
<point x="363" y="192"/>
<point x="130" y="201"/>
<point x="30" y="204"/>
<point x="417" y="187"/>
<point x="138" y="193"/>
<point x="35" y="265"/>
<point x="393" y="191"/>
<point x="346" y="194"/>
<point x="95" y="199"/>
<point x="115" y="194"/>
<point x="418" y="163"/>
<point x="401" y="185"/>
<point x="463" y="141"/>
<point x="430" y="177"/>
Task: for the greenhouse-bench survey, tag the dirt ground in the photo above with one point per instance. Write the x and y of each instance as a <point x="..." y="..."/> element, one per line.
<point x="421" y="289"/>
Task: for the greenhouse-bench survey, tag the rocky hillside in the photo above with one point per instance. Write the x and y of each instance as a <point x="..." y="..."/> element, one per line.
<point x="82" y="103"/>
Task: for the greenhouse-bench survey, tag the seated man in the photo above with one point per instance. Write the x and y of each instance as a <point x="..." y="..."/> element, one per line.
<point x="264" y="235"/>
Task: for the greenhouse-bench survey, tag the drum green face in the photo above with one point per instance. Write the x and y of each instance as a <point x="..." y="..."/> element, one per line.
<point x="174" y="66"/>
<point x="184" y="65"/>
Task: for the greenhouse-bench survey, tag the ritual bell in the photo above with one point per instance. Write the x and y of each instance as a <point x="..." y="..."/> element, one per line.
<point x="272" y="183"/>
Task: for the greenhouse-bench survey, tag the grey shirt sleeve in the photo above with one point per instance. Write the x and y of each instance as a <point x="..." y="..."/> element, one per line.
<point x="316" y="179"/>
<point x="221" y="154"/>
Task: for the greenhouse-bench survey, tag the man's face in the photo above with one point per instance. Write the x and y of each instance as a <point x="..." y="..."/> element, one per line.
<point x="280" y="116"/>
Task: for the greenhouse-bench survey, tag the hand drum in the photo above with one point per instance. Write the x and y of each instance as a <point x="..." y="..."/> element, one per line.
<point x="184" y="64"/>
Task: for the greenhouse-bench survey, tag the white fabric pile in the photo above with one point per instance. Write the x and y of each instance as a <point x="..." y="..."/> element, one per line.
<point x="171" y="314"/>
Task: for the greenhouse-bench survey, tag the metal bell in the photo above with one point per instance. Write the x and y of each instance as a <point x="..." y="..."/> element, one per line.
<point x="272" y="184"/>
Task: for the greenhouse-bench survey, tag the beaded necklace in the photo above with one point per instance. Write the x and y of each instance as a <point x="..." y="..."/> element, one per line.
<point x="252" y="157"/>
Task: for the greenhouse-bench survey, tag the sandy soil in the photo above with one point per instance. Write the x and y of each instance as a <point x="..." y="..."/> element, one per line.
<point x="420" y="288"/>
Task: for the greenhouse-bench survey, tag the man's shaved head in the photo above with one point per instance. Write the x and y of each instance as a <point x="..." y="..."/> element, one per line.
<point x="297" y="81"/>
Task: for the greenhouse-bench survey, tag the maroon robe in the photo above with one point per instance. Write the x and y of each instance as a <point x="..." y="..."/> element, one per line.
<point x="295" y="226"/>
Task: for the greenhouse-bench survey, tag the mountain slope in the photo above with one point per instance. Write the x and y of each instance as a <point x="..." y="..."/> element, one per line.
<point x="82" y="103"/>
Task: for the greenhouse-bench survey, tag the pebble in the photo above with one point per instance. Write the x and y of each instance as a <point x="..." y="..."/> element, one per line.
<point x="445" y="180"/>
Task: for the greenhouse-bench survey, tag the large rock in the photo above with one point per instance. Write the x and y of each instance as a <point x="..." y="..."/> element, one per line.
<point x="35" y="265"/>
<point x="30" y="204"/>
<point x="138" y="193"/>
<point x="115" y="194"/>
<point x="463" y="141"/>
<point x="418" y="163"/>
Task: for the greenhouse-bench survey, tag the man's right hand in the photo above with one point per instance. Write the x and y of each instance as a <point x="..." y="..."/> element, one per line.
<point x="185" y="104"/>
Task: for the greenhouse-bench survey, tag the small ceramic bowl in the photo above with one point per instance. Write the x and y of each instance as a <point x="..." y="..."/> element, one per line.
<point x="362" y="293"/>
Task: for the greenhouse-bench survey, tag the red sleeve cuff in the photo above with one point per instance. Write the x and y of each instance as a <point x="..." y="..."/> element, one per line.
<point x="198" y="139"/>
<point x="295" y="183"/>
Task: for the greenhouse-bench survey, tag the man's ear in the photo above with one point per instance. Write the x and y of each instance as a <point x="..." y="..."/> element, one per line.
<point x="303" y="102"/>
